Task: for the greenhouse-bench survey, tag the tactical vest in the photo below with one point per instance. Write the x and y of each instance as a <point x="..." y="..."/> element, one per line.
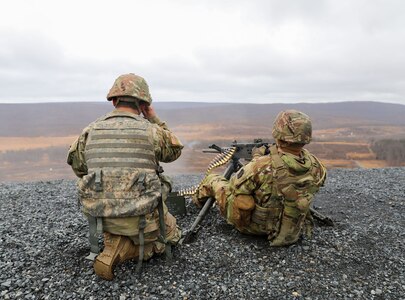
<point x="122" y="180"/>
<point x="284" y="215"/>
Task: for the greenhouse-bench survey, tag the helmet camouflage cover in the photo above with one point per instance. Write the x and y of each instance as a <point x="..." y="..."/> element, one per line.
<point x="292" y="126"/>
<point x="130" y="85"/>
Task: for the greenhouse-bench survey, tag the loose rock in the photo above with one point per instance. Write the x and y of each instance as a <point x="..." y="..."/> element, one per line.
<point x="43" y="242"/>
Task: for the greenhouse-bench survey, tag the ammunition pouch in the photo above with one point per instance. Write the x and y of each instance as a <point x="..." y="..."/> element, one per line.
<point x="267" y="217"/>
<point x="294" y="215"/>
<point x="289" y="231"/>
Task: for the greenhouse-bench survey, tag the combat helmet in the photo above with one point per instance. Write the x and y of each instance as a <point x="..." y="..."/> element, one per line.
<point x="292" y="126"/>
<point x="130" y="85"/>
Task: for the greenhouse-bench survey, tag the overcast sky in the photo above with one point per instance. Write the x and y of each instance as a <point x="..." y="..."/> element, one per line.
<point x="228" y="51"/>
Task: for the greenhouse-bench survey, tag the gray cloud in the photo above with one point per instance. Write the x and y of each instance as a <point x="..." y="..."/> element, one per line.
<point x="34" y="68"/>
<point x="349" y="50"/>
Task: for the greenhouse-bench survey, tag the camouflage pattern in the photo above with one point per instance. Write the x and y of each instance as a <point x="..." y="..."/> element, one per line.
<point x="130" y="85"/>
<point x="119" y="149"/>
<point x="292" y="126"/>
<point x="166" y="147"/>
<point x="120" y="188"/>
<point x="269" y="196"/>
<point x="129" y="227"/>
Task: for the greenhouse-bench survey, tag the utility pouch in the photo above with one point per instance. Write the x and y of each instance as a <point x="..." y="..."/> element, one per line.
<point x="243" y="206"/>
<point x="267" y="217"/>
<point x="289" y="231"/>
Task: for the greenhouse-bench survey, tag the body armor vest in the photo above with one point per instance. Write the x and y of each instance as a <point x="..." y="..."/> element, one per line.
<point x="122" y="179"/>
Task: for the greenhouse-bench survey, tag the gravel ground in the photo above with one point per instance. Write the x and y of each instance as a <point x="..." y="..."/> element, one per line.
<point x="43" y="243"/>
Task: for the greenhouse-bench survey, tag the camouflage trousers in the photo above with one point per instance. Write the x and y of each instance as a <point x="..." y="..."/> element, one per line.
<point x="250" y="218"/>
<point x="128" y="226"/>
<point x="237" y="210"/>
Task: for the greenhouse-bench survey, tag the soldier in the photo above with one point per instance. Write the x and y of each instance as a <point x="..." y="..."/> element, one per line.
<point x="120" y="186"/>
<point x="271" y="195"/>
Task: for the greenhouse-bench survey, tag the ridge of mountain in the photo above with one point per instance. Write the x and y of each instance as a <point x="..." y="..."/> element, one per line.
<point x="66" y="118"/>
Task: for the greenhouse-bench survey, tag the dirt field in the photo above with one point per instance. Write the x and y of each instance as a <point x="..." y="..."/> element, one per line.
<point x="44" y="158"/>
<point x="342" y="133"/>
<point x="27" y="143"/>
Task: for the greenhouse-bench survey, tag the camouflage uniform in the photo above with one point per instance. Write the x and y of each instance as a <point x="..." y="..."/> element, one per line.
<point x="271" y="194"/>
<point x="116" y="158"/>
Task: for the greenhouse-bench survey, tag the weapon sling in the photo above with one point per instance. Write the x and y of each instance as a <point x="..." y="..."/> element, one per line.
<point x="95" y="229"/>
<point x="142" y="225"/>
<point x="162" y="224"/>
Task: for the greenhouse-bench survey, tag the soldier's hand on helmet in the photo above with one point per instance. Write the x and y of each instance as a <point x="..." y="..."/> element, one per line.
<point x="259" y="151"/>
<point x="148" y="111"/>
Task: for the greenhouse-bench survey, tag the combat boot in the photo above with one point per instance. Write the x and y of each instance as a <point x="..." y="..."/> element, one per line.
<point x="117" y="249"/>
<point x="128" y="251"/>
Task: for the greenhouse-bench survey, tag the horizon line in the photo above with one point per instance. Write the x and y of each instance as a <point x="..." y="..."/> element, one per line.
<point x="204" y="102"/>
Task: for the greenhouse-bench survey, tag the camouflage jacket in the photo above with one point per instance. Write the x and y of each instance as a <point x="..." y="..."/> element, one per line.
<point x="282" y="186"/>
<point x="167" y="146"/>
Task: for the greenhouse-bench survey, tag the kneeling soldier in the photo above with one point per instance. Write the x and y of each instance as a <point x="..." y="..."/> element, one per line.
<point x="120" y="187"/>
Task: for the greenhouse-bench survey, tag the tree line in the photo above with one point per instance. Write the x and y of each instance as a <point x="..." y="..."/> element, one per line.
<point x="393" y="151"/>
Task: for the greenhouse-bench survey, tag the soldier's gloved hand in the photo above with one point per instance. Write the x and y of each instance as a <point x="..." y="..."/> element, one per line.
<point x="204" y="191"/>
<point x="259" y="151"/>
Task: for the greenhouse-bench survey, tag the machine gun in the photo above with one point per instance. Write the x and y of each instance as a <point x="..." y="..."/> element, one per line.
<point x="232" y="156"/>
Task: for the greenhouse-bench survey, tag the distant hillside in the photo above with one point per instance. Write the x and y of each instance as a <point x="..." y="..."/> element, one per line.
<point x="34" y="138"/>
<point x="63" y="119"/>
